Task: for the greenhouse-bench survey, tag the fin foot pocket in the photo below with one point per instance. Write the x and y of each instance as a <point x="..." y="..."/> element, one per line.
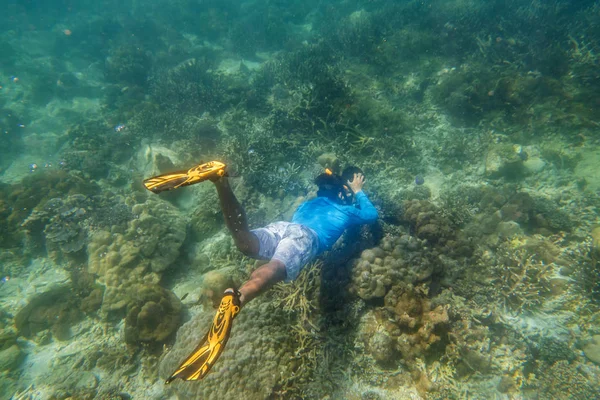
<point x="177" y="179"/>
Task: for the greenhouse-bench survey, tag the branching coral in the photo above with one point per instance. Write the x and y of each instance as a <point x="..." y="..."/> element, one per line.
<point x="316" y="93"/>
<point x="253" y="146"/>
<point x="128" y="65"/>
<point x="565" y="381"/>
<point x="584" y="266"/>
<point x="190" y="87"/>
<point x="301" y="295"/>
<point x="522" y="278"/>
<point x="299" y="298"/>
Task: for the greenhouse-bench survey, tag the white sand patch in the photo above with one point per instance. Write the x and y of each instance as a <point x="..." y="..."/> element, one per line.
<point x="233" y="65"/>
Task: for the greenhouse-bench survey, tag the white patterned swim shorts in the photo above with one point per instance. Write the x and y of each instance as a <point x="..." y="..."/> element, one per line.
<point x="294" y="245"/>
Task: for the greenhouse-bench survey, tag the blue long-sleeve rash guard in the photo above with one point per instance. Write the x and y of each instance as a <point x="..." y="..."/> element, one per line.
<point x="329" y="219"/>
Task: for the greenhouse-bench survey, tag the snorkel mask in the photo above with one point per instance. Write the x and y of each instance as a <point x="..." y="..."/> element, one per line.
<point x="333" y="187"/>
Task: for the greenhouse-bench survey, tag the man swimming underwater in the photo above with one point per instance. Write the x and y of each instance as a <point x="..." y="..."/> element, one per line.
<point x="316" y="225"/>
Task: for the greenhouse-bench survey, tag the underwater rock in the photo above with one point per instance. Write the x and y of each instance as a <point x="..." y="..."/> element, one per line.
<point x="509" y="229"/>
<point x="503" y="161"/>
<point x="381" y="347"/>
<point x="592" y="349"/>
<point x="214" y="284"/>
<point x="329" y="160"/>
<point x="153" y="159"/>
<point x="533" y="165"/>
<point x="10" y="358"/>
<point x="87" y="381"/>
<point x="596" y="242"/>
<point x="153" y="315"/>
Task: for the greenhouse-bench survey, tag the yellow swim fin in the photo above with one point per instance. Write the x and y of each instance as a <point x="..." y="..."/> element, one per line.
<point x="178" y="179"/>
<point x="197" y="365"/>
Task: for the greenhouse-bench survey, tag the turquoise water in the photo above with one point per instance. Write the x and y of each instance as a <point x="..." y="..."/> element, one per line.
<point x="475" y="122"/>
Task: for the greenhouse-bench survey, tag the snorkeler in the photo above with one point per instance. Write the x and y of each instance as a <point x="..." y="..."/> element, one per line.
<point x="316" y="225"/>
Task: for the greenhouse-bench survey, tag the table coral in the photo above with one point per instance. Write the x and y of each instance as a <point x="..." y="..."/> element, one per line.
<point x="17" y="202"/>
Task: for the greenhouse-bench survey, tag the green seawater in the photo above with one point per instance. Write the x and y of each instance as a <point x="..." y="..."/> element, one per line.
<point x="476" y="124"/>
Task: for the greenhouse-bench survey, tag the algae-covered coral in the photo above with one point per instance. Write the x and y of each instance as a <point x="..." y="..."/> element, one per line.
<point x="475" y="122"/>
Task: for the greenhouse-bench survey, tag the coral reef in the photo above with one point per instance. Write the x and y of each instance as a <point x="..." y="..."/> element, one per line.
<point x="138" y="254"/>
<point x="20" y="200"/>
<point x="191" y="86"/>
<point x="153" y="314"/>
<point x="486" y="282"/>
<point x="426" y="221"/>
<point x="596" y="242"/>
<point x="523" y="277"/>
<point x="61" y="226"/>
<point x="503" y="160"/>
<point x="62" y="222"/>
<point x="128" y="65"/>
<point x="563" y="380"/>
<point x="415" y="325"/>
<point x="551" y="350"/>
<point x="260" y="341"/>
<point x="54" y="310"/>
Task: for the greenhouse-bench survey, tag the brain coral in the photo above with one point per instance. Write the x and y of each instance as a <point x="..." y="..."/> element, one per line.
<point x="258" y="359"/>
<point x="153" y="315"/>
